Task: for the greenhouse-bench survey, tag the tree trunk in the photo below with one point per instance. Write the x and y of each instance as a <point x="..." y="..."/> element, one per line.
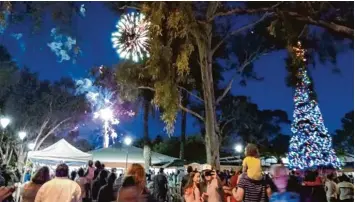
<point x="211" y="136"/>
<point x="147" y="152"/>
<point x="183" y="134"/>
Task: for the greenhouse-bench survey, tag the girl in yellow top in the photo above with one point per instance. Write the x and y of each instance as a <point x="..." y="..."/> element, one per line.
<point x="252" y="163"/>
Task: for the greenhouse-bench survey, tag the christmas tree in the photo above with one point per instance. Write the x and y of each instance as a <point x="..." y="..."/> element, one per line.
<point x="311" y="144"/>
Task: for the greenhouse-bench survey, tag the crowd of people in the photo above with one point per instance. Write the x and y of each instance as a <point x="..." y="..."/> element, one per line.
<point x="251" y="184"/>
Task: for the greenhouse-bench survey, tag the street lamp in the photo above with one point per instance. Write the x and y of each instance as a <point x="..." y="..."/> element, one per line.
<point x="22" y="135"/>
<point x="238" y="148"/>
<point x="127" y="141"/>
<point x="4" y="122"/>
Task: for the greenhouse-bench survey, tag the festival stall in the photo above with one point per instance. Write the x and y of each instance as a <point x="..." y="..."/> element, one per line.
<point x="59" y="152"/>
<point x="117" y="156"/>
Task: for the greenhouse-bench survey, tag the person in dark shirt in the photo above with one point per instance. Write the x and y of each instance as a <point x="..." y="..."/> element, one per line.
<point x="160" y="186"/>
<point x="98" y="183"/>
<point x="185" y="179"/>
<point x="98" y="169"/>
<point x="107" y="193"/>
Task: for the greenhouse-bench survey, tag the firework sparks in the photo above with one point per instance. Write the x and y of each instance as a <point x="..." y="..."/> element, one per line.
<point x="131" y="38"/>
<point x="103" y="106"/>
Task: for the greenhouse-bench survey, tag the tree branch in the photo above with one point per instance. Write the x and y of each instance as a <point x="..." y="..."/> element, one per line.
<point x="146" y="88"/>
<point x="240" y="30"/>
<point x="245" y="11"/>
<point x="193" y="95"/>
<point x="247" y="61"/>
<point x="348" y="32"/>
<point x="44" y="125"/>
<point x="191" y="112"/>
<point x="50" y="132"/>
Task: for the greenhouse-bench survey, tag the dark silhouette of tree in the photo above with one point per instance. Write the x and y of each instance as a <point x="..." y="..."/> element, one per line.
<point x="343" y="138"/>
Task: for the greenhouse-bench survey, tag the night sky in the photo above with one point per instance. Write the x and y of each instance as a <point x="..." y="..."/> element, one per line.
<point x="93" y="32"/>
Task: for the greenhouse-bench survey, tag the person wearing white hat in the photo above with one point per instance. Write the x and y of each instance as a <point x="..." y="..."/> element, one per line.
<point x="214" y="192"/>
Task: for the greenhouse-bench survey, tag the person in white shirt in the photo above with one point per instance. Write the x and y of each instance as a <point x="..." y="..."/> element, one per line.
<point x="345" y="189"/>
<point x="61" y="188"/>
<point x="330" y="188"/>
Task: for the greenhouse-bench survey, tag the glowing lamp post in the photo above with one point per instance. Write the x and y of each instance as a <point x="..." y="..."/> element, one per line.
<point x="4" y="122"/>
<point x="127" y="141"/>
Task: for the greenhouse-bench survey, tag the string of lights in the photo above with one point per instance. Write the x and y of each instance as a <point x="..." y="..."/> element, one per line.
<point x="311" y="144"/>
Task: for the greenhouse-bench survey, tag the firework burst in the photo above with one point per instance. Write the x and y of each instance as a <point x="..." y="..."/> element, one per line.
<point x="104" y="107"/>
<point x="131" y="38"/>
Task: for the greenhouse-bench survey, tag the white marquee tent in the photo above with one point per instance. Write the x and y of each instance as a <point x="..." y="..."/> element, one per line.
<point x="60" y="151"/>
<point x="118" y="154"/>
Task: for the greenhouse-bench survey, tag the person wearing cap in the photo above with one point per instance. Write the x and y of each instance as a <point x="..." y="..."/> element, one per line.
<point x="214" y="192"/>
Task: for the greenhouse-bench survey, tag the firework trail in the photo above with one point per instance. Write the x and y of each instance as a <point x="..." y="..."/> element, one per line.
<point x="103" y="106"/>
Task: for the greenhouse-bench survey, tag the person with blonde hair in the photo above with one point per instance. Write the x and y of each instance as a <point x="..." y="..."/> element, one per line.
<point x="252" y="163"/>
<point x="280" y="176"/>
<point x="138" y="173"/>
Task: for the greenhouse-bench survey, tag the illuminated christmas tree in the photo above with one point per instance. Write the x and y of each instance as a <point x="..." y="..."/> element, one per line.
<point x="311" y="144"/>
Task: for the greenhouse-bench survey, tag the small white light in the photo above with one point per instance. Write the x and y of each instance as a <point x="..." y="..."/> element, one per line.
<point x="238" y="148"/>
<point x="4" y="122"/>
<point x="22" y="135"/>
<point x="127" y="141"/>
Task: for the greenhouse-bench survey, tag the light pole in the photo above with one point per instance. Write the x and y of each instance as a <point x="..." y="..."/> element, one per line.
<point x="127" y="141"/>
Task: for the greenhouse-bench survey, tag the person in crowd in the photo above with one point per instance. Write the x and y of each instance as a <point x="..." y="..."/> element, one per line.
<point x="160" y="186"/>
<point x="82" y="181"/>
<point x="137" y="171"/>
<point x="251" y="190"/>
<point x="191" y="189"/>
<point x="118" y="183"/>
<point x="107" y="193"/>
<point x="234" y="182"/>
<point x="90" y="171"/>
<point x="60" y="188"/>
<point x="5" y="174"/>
<point x="73" y="175"/>
<point x="129" y="191"/>
<point x="330" y="188"/>
<point x="185" y="179"/>
<point x="31" y="188"/>
<point x="27" y="177"/>
<point x="280" y="179"/>
<point x="98" y="168"/>
<point x="2" y="180"/>
<point x="252" y="163"/>
<point x="99" y="182"/>
<point x="345" y="189"/>
<point x="293" y="182"/>
<point x="214" y="192"/>
<point x="226" y="190"/>
<point x="312" y="188"/>
<point x="5" y="192"/>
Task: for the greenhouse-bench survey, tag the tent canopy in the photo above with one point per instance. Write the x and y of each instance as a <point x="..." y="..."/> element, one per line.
<point x="118" y="154"/>
<point x="60" y="151"/>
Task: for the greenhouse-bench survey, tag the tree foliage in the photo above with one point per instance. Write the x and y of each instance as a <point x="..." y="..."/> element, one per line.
<point x="344" y="138"/>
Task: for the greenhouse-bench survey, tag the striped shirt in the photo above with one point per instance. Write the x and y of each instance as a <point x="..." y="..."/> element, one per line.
<point x="254" y="191"/>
